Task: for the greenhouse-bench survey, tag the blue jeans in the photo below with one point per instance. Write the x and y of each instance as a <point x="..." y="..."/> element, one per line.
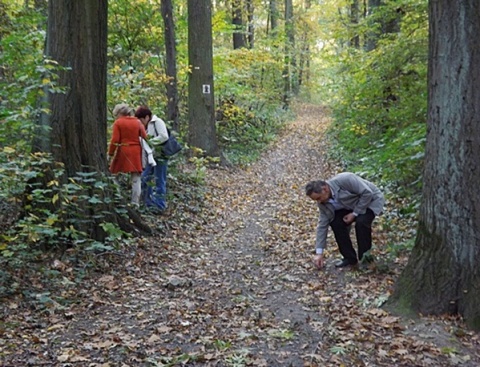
<point x="155" y="193"/>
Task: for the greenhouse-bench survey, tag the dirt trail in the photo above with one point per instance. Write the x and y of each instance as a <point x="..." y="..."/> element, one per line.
<point x="234" y="286"/>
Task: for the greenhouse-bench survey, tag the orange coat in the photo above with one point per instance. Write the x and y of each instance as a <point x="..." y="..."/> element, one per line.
<point x="125" y="145"/>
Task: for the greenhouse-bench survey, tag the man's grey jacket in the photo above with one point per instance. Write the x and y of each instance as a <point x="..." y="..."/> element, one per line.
<point x="352" y="192"/>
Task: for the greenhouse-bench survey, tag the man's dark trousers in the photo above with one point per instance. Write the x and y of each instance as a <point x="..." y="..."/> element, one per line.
<point x="363" y="230"/>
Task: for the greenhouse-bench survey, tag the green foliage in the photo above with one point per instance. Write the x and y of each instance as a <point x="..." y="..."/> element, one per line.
<point x="136" y="71"/>
<point x="339" y="349"/>
<point x="251" y="79"/>
<point x="236" y="360"/>
<point x="245" y="132"/>
<point x="394" y="250"/>
<point x="61" y="212"/>
<point x="222" y="345"/>
<point x="200" y="162"/>
<point x="379" y="98"/>
<point x="284" y="334"/>
<point x="25" y="75"/>
<point x="249" y="108"/>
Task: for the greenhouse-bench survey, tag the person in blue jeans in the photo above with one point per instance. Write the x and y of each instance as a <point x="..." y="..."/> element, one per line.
<point x="154" y="193"/>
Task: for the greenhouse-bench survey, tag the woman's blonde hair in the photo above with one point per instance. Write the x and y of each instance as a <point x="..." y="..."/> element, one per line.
<point x="122" y="109"/>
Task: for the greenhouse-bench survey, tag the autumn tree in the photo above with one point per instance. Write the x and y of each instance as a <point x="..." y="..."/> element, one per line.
<point x="171" y="62"/>
<point x="373" y="33"/>
<point x="307" y="38"/>
<point x="354" y="20"/>
<point x="239" y="39"/>
<point x="201" y="106"/>
<point x="442" y="275"/>
<point x="273" y="15"/>
<point x="74" y="130"/>
<point x="290" y="67"/>
<point x="77" y="40"/>
<point x="250" y="27"/>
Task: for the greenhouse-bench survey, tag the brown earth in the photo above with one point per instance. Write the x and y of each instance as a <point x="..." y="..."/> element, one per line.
<point x="230" y="282"/>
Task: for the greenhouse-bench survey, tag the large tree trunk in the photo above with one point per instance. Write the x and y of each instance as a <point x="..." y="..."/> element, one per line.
<point x="373" y="34"/>
<point x="171" y="62"/>
<point x="354" y="19"/>
<point x="77" y="134"/>
<point x="273" y="14"/>
<point x="250" y="25"/>
<point x="201" y="106"/>
<point x="305" y="56"/>
<point x="443" y="273"/>
<point x="77" y="39"/>
<point x="289" y="70"/>
<point x="239" y="39"/>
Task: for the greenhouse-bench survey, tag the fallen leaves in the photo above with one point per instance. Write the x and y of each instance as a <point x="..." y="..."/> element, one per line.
<point x="234" y="285"/>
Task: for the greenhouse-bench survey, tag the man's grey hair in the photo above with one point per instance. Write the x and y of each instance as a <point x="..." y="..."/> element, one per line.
<point x="315" y="187"/>
<point x="122" y="109"/>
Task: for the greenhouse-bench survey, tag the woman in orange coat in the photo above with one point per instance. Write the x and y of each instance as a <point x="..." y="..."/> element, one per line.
<point x="125" y="147"/>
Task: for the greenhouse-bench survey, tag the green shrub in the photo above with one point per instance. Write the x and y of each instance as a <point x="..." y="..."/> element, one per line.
<point x="59" y="214"/>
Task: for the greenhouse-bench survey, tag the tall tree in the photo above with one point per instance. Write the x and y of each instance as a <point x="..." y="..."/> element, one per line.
<point x="250" y="26"/>
<point x="171" y="62"/>
<point x="239" y="39"/>
<point x="290" y="68"/>
<point x="373" y="33"/>
<point x="354" y="19"/>
<point x="201" y="103"/>
<point x="242" y="21"/>
<point x="77" y="40"/>
<point x="305" y="55"/>
<point x="442" y="275"/>
<point x="273" y="15"/>
<point x="77" y="133"/>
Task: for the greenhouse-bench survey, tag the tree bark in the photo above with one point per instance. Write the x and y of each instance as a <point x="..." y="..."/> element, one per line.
<point x="77" y="39"/>
<point x="77" y="130"/>
<point x="250" y="25"/>
<point x="273" y="14"/>
<point x="354" y="18"/>
<point x="442" y="275"/>
<point x="201" y="106"/>
<point x="289" y="71"/>
<point x="373" y="34"/>
<point x="305" y="56"/>
<point x="171" y="63"/>
<point x="239" y="40"/>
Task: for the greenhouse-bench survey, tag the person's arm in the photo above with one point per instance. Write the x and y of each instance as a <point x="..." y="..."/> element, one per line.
<point x="143" y="133"/>
<point x="115" y="140"/>
<point x="148" y="151"/>
<point x="321" y="238"/>
<point x="160" y="131"/>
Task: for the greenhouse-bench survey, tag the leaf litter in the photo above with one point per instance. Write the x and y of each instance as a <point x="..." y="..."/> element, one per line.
<point x="228" y="281"/>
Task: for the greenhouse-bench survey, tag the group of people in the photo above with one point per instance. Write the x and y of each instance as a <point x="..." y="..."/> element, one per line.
<point x="343" y="201"/>
<point x="135" y="148"/>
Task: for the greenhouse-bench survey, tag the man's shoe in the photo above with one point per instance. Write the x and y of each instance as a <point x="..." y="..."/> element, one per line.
<point x="345" y="262"/>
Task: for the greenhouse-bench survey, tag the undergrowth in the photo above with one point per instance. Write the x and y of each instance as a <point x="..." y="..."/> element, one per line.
<point x="244" y="132"/>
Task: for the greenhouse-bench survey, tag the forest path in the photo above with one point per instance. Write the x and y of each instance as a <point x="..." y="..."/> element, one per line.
<point x="234" y="285"/>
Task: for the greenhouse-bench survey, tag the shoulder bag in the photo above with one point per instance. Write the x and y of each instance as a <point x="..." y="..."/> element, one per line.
<point x="171" y="146"/>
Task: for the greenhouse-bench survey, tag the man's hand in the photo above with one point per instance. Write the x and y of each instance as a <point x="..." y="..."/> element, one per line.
<point x="318" y="261"/>
<point x="349" y="218"/>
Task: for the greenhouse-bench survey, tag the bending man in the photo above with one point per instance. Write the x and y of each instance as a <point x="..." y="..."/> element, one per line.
<point x="342" y="200"/>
